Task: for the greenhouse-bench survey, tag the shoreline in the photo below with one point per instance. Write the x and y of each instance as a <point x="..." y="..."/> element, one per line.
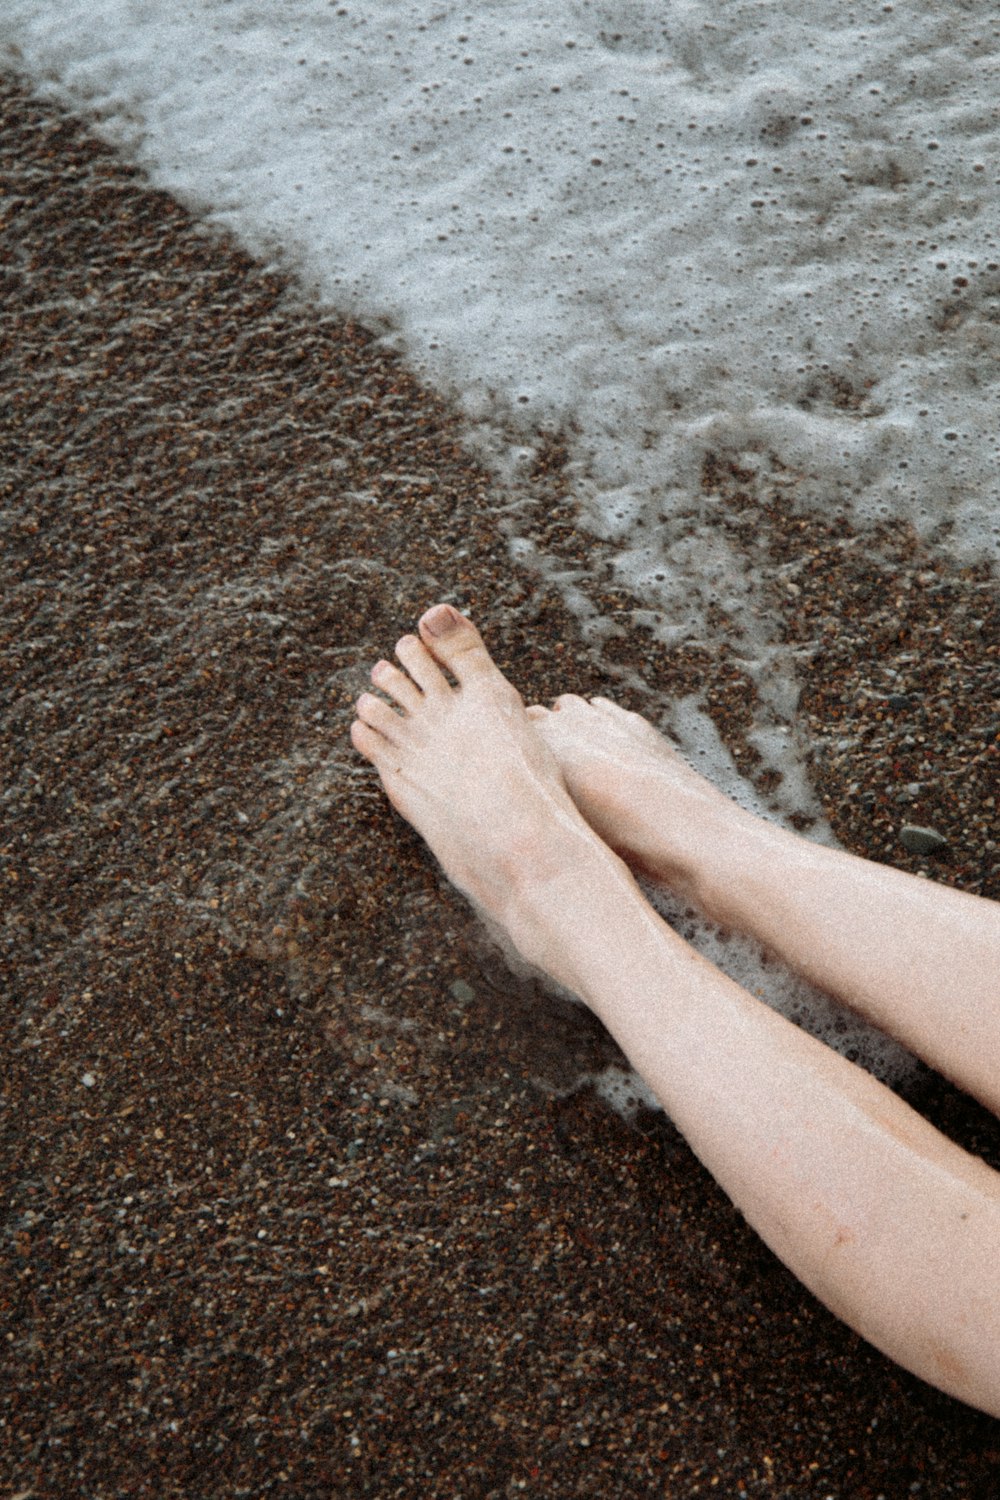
<point x="304" y="1197"/>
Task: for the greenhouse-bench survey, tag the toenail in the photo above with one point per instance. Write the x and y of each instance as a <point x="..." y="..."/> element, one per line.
<point x="442" y="619"/>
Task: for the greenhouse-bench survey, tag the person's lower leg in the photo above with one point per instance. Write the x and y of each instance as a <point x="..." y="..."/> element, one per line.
<point x="919" y="959"/>
<point x="889" y="1223"/>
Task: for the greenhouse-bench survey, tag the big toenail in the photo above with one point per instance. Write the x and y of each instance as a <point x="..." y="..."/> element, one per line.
<point x="442" y="620"/>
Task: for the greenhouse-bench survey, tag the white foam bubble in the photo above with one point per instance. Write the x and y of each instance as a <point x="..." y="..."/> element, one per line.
<point x="699" y="741"/>
<point x="624" y="1090"/>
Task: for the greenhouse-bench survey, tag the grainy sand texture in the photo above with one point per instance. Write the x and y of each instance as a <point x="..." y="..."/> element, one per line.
<point x="303" y="1192"/>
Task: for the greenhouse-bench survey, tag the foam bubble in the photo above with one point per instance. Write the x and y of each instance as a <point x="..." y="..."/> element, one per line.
<point x="623" y="1090"/>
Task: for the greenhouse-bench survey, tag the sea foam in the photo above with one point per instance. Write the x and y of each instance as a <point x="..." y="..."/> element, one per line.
<point x="673" y="227"/>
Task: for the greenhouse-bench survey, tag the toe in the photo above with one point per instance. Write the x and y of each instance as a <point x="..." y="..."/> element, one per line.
<point x="536" y="711"/>
<point x="379" y="716"/>
<point x="568" y="700"/>
<point x="397" y="685"/>
<point x="372" y="745"/>
<point x="421" y="665"/>
<point x="455" y="642"/>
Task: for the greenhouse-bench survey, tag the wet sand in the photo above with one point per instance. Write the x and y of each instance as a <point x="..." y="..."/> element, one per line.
<point x="302" y="1194"/>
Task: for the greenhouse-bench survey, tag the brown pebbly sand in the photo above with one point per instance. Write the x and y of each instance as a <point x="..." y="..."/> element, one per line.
<point x="301" y="1192"/>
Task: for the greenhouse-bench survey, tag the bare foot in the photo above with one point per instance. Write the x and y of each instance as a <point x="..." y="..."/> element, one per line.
<point x="466" y="767"/>
<point x="634" y="789"/>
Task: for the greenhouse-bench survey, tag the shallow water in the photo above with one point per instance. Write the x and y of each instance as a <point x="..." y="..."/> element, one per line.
<point x="678" y="238"/>
<point x="759" y="240"/>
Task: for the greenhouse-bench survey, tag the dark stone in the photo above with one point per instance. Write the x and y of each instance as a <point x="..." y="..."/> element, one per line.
<point x="922" y="840"/>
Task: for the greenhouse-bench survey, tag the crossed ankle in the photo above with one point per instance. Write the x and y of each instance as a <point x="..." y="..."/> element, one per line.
<point x="738" y="856"/>
<point x="697" y="849"/>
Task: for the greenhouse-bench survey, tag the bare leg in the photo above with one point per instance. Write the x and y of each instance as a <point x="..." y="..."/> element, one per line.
<point x="891" y="1225"/>
<point x="920" y="960"/>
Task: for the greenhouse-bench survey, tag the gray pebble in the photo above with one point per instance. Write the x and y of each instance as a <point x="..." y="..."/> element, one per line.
<point x="463" y="993"/>
<point x="921" y="840"/>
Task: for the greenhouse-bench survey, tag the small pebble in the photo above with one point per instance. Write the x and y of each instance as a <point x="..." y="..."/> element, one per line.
<point x="922" y="840"/>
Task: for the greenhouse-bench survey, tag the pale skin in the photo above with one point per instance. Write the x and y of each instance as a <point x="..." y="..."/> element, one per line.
<point x="536" y="815"/>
